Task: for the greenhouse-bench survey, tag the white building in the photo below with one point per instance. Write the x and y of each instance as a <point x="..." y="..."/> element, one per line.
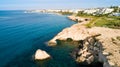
<point x="91" y="11"/>
<point x="107" y="10"/>
<point x="115" y="14"/>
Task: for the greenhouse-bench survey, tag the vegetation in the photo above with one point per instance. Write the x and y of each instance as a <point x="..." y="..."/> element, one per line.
<point x="66" y="13"/>
<point x="111" y="22"/>
<point x="101" y="20"/>
<point x="80" y="13"/>
<point x="116" y="8"/>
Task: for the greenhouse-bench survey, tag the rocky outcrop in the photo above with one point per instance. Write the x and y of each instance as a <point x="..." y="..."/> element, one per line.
<point x="110" y="39"/>
<point x="90" y="51"/>
<point x="78" y="19"/>
<point x="41" y="55"/>
<point x="75" y="32"/>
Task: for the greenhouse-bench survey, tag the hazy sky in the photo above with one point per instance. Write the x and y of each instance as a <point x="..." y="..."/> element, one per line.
<point x="55" y="4"/>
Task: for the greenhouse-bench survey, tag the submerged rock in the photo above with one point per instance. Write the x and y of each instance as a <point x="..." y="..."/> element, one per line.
<point x="41" y="55"/>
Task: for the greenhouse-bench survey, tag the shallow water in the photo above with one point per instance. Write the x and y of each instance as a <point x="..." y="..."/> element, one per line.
<point x="21" y="34"/>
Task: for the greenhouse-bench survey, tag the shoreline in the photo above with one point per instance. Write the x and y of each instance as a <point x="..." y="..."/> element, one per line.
<point x="79" y="31"/>
<point x="70" y="30"/>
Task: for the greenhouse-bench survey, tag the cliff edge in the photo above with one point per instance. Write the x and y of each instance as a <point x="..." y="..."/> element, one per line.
<point x="110" y="38"/>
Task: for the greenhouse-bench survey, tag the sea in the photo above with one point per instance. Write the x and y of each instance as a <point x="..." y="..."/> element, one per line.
<point x="21" y="34"/>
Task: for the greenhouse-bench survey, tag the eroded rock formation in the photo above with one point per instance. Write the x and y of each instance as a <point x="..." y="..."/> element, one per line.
<point x="110" y="39"/>
<point x="89" y="52"/>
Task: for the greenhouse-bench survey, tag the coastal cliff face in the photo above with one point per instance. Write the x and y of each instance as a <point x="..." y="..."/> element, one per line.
<point x="109" y="38"/>
<point x="76" y="32"/>
<point x="89" y="53"/>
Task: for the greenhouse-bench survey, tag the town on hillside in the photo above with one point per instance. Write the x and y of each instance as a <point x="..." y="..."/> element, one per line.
<point x="112" y="11"/>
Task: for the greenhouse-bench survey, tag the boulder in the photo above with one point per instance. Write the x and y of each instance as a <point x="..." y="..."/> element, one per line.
<point x="41" y="55"/>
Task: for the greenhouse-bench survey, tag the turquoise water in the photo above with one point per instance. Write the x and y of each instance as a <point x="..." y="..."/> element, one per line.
<point x="21" y="34"/>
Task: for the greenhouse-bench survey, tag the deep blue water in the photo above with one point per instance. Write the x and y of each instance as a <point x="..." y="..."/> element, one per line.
<point x="21" y="34"/>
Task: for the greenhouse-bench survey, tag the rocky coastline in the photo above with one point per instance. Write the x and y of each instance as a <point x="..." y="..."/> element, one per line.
<point x="107" y="43"/>
<point x="89" y="52"/>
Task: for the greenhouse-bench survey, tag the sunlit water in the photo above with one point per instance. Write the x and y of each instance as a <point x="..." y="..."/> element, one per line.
<point x="21" y="34"/>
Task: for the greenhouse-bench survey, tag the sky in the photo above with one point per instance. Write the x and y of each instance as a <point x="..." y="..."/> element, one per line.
<point x="55" y="4"/>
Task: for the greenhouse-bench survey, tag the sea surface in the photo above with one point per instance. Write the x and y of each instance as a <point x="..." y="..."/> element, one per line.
<point x="21" y="34"/>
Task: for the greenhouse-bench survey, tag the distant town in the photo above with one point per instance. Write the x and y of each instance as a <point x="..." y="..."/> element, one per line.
<point x="113" y="11"/>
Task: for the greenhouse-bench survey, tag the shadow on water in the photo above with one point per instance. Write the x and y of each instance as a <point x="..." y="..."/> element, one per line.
<point x="60" y="56"/>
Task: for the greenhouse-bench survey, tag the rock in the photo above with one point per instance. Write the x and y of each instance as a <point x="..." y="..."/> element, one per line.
<point x="74" y="32"/>
<point x="112" y="64"/>
<point x="106" y="64"/>
<point x="79" y="32"/>
<point x="80" y="59"/>
<point x="91" y="53"/>
<point x="52" y="43"/>
<point x="90" y="59"/>
<point x="41" y="55"/>
<point x="106" y="53"/>
<point x="86" y="54"/>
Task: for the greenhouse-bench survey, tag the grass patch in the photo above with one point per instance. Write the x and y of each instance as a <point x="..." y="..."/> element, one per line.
<point x="104" y="21"/>
<point x="110" y="22"/>
<point x="66" y="13"/>
<point x="91" y="23"/>
<point x="101" y="20"/>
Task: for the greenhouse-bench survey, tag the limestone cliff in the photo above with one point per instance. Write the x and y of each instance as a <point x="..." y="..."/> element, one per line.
<point x="110" y="39"/>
